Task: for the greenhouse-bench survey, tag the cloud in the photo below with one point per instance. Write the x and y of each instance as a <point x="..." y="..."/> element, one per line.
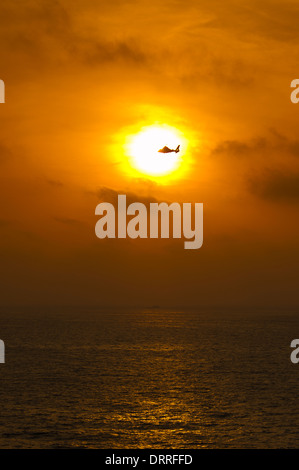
<point x="97" y="52"/>
<point x="274" y="142"/>
<point x="110" y="195"/>
<point x="35" y="29"/>
<point x="48" y="31"/>
<point x="276" y="186"/>
<point x="235" y="148"/>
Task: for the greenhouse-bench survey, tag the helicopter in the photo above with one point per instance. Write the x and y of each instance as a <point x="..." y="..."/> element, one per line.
<point x="168" y="150"/>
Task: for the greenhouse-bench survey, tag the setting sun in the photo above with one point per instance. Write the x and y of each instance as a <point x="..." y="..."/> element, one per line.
<point x="143" y="150"/>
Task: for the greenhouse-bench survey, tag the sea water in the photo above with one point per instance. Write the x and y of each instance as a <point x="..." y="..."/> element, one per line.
<point x="148" y="378"/>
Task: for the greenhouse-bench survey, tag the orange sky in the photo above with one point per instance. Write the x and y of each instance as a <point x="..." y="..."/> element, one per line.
<point x="80" y="76"/>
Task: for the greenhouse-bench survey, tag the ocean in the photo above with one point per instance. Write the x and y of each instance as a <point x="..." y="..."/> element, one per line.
<point x="148" y="378"/>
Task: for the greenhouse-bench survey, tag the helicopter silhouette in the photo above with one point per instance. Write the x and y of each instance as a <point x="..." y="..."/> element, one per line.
<point x="168" y="150"/>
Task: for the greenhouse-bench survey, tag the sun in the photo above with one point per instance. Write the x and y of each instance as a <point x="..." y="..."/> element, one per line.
<point x="143" y="150"/>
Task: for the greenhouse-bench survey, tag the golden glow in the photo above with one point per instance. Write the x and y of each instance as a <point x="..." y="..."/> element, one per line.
<point x="142" y="150"/>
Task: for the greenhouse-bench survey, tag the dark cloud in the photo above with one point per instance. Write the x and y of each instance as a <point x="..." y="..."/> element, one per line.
<point x="48" y="32"/>
<point x="110" y="195"/>
<point x="95" y="52"/>
<point x="276" y="186"/>
<point x="236" y="148"/>
<point x="42" y="29"/>
<point x="30" y="29"/>
<point x="275" y="142"/>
